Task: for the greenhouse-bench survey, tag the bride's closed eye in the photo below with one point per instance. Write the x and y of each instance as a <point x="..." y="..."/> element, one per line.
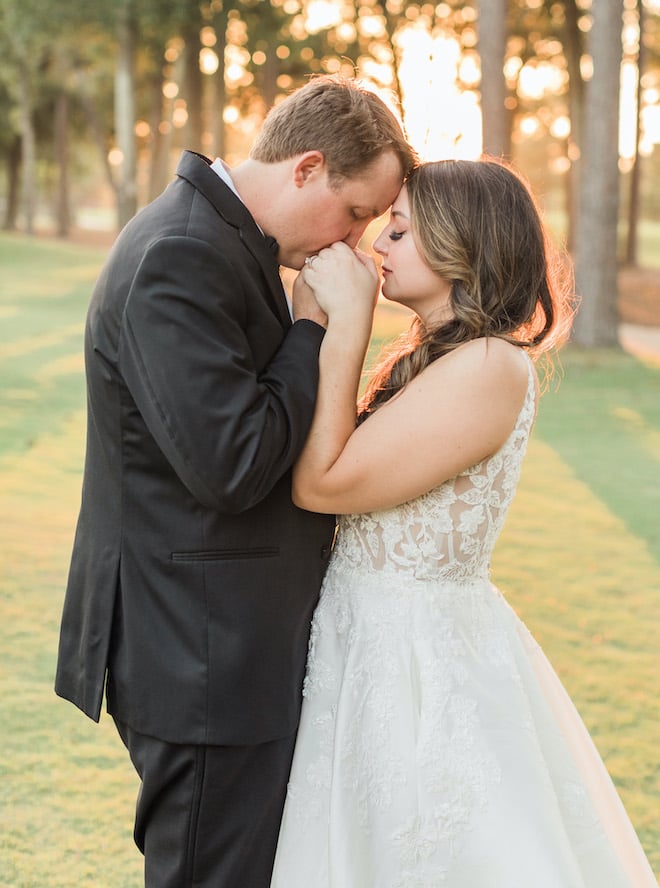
<point x="396" y="235"/>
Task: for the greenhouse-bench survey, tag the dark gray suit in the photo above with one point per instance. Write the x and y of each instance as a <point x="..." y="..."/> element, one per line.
<point x="193" y="576"/>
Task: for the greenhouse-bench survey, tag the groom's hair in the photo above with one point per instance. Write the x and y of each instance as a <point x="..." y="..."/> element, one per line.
<point x="347" y="123"/>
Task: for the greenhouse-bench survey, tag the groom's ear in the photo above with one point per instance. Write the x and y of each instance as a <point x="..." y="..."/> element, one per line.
<point x="308" y="167"/>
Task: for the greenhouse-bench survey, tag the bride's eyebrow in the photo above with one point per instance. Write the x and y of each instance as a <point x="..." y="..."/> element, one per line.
<point x="400" y="215"/>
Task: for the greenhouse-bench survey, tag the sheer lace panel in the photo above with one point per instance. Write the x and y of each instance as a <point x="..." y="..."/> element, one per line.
<point x="448" y="533"/>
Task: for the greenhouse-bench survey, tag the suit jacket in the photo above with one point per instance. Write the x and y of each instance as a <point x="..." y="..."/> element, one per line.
<point x="193" y="576"/>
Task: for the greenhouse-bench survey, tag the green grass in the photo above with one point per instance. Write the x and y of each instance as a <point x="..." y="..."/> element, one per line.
<point x="579" y="560"/>
<point x="592" y="490"/>
<point x="45" y="288"/>
<point x="648" y="236"/>
<point x="66" y="790"/>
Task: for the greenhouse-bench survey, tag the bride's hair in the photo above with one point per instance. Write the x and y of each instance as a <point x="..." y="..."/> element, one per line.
<point x="475" y="224"/>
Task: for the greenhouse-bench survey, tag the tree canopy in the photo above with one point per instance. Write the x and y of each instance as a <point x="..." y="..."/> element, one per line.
<point x="108" y="94"/>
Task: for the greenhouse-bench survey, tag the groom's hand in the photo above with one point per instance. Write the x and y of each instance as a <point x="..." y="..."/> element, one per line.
<point x="305" y="305"/>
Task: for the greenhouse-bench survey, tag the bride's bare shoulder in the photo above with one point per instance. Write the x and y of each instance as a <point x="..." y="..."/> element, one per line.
<point x="491" y="358"/>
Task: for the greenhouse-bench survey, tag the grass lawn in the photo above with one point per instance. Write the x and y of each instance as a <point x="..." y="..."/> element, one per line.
<point x="579" y="559"/>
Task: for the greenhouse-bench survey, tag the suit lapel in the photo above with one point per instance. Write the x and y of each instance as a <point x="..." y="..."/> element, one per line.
<point x="255" y="242"/>
<point x="196" y="169"/>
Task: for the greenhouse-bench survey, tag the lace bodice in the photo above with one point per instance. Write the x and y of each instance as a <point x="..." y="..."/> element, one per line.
<point x="448" y="533"/>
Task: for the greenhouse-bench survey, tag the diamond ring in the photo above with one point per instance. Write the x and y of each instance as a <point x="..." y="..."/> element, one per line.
<point x="309" y="260"/>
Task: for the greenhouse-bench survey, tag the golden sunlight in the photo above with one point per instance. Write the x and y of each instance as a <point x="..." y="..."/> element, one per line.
<point x="441" y="120"/>
<point x="321" y="14"/>
<point x="439" y="77"/>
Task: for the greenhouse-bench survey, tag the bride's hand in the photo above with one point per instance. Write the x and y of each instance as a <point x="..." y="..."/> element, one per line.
<point x="345" y="284"/>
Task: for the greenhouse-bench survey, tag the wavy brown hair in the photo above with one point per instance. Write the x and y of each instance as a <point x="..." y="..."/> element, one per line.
<point x="476" y="224"/>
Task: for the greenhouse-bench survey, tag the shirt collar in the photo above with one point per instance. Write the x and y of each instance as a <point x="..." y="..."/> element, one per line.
<point x="221" y="168"/>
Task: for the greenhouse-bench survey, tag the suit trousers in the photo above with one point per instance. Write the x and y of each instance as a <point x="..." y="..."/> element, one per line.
<point x="208" y="816"/>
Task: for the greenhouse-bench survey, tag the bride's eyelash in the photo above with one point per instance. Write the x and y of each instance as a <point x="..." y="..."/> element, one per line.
<point x="396" y="235"/>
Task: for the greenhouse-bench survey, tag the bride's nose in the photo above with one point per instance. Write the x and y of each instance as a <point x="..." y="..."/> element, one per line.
<point x="380" y="244"/>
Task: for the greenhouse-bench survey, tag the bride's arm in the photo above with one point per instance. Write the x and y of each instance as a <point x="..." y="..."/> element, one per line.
<point x="458" y="411"/>
<point x="345" y="287"/>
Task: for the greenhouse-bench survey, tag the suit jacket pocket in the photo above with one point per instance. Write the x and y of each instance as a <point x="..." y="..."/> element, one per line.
<point x="227" y="554"/>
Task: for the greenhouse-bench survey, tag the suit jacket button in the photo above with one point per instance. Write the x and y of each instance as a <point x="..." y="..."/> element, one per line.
<point x="325" y="552"/>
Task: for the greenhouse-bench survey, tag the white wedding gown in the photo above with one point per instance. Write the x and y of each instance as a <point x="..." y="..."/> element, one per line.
<point x="437" y="747"/>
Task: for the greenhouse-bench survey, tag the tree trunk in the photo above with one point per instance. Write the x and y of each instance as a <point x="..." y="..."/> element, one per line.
<point x="125" y="114"/>
<point x="160" y="139"/>
<point x="62" y="208"/>
<point x="28" y="145"/>
<point x="271" y="69"/>
<point x="193" y="87"/>
<point x="573" y="50"/>
<point x="635" y="172"/>
<point x="13" y="184"/>
<point x="392" y="22"/>
<point x="219" y="91"/>
<point x="598" y="212"/>
<point x="98" y="134"/>
<point x="492" y="50"/>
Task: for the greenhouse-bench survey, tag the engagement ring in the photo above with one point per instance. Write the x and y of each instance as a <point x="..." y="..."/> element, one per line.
<point x="309" y="260"/>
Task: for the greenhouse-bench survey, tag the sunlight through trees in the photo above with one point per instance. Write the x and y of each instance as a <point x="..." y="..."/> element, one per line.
<point x="100" y="98"/>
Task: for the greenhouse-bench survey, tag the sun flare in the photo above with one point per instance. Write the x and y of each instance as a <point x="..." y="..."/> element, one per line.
<point x="442" y="121"/>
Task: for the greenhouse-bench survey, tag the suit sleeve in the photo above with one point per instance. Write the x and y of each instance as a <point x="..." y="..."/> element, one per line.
<point x="228" y="432"/>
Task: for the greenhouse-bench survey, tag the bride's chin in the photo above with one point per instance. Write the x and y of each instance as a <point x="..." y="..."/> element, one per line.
<point x="402" y="302"/>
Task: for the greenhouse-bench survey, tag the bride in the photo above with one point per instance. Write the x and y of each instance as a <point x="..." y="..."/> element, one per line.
<point x="437" y="746"/>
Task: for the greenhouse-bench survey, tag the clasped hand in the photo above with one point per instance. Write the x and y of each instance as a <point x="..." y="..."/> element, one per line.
<point x="344" y="283"/>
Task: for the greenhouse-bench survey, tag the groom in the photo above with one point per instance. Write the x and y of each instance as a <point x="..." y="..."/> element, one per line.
<point x="193" y="577"/>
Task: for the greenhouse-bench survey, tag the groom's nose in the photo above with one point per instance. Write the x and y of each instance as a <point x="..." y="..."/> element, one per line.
<point x="355" y="233"/>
